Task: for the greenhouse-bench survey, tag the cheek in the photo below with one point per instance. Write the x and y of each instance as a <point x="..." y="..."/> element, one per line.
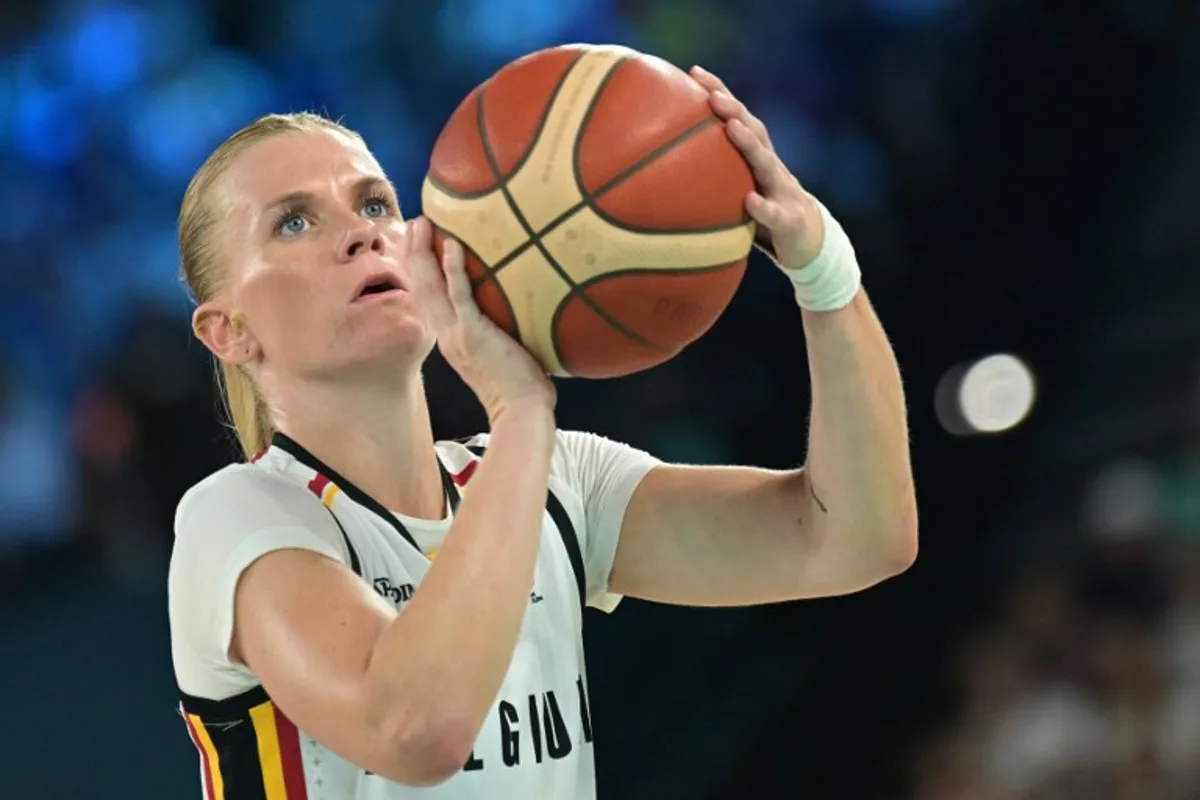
<point x="283" y="307"/>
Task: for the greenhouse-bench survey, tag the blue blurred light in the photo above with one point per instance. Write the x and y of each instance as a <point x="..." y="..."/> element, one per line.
<point x="154" y="251"/>
<point x="174" y="128"/>
<point x="8" y="100"/>
<point x="106" y="48"/>
<point x="47" y="126"/>
<point x="22" y="204"/>
<point x="380" y="111"/>
<point x="307" y="27"/>
<point x="483" y="30"/>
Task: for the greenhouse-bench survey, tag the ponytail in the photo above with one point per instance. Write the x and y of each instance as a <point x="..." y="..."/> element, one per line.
<point x="247" y="413"/>
<point x="205" y="273"/>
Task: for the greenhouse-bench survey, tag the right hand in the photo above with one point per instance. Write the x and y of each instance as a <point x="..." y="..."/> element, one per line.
<point x="495" y="366"/>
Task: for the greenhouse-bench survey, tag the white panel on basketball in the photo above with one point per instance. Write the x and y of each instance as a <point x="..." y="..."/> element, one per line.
<point x="545" y="186"/>
<point x="485" y="223"/>
<point x="532" y="288"/>
<point x="587" y="246"/>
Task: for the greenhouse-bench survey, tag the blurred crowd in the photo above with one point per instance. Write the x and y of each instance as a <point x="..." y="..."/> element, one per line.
<point x="956" y="140"/>
<point x="111" y="105"/>
<point x="1085" y="683"/>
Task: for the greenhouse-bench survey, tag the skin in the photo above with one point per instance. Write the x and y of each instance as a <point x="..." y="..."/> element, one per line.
<point x="404" y="695"/>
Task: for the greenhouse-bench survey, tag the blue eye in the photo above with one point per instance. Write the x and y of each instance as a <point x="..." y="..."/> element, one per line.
<point x="377" y="206"/>
<point x="291" y="221"/>
<point x="294" y="224"/>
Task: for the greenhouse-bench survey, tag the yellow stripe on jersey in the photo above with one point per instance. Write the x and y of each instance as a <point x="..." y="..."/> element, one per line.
<point x="269" y="756"/>
<point x="211" y="759"/>
<point x="330" y="492"/>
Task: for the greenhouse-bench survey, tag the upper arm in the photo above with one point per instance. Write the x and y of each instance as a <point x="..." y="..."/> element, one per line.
<point x="307" y="627"/>
<point x="716" y="536"/>
<point x="604" y="474"/>
<point x="258" y="578"/>
<point x="730" y="536"/>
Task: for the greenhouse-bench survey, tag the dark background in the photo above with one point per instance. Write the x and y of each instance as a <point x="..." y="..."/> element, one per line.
<point x="1017" y="176"/>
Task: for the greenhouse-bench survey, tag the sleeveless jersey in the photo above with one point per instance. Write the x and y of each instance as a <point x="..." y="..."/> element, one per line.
<point x="537" y="740"/>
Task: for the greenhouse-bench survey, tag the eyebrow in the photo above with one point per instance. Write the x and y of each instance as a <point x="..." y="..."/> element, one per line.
<point x="363" y="188"/>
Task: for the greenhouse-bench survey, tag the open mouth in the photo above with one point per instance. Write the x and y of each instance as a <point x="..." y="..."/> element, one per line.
<point x="378" y="285"/>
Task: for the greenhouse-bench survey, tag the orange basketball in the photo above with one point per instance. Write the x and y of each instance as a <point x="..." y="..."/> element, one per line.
<point x="600" y="205"/>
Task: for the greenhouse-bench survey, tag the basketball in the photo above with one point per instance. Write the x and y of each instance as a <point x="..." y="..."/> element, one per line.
<point x="599" y="204"/>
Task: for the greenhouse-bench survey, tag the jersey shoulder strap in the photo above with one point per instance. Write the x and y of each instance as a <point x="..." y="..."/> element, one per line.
<point x="566" y="530"/>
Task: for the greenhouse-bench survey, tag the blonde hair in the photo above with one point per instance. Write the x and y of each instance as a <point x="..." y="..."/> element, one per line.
<point x="205" y="272"/>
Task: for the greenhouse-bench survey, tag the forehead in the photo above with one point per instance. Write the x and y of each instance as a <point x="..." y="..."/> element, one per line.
<point x="300" y="161"/>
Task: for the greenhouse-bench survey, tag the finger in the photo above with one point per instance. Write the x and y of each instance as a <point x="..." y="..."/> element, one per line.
<point x="769" y="172"/>
<point x="729" y="108"/>
<point x="708" y="80"/>
<point x="768" y="213"/>
<point x="428" y="281"/>
<point x="458" y="285"/>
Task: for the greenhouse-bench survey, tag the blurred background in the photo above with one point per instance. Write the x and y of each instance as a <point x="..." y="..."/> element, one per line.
<point x="1018" y="177"/>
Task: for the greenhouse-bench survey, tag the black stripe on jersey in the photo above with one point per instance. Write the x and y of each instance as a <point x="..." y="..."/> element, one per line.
<point x="452" y="495"/>
<point x="293" y="448"/>
<point x="231" y="730"/>
<point x="562" y="521"/>
<point x="236" y="744"/>
<point x="226" y="710"/>
<point x="355" y="564"/>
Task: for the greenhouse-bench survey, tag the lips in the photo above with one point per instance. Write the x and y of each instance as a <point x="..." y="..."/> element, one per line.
<point x="379" y="284"/>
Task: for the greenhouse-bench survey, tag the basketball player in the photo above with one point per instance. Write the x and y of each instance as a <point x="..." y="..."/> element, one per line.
<point x="362" y="612"/>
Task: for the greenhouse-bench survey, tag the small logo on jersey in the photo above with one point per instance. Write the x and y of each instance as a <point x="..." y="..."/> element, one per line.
<point x="389" y="591"/>
<point x="222" y="726"/>
<point x="534" y="597"/>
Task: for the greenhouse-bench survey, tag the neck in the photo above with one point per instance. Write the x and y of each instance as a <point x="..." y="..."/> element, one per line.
<point x="379" y="438"/>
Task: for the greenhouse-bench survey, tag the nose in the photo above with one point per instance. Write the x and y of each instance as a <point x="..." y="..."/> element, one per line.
<point x="361" y="236"/>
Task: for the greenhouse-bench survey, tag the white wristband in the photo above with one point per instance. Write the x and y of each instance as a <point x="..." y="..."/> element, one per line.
<point x="830" y="280"/>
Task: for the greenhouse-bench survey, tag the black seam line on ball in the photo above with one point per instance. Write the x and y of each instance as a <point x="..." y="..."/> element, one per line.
<point x="535" y="238"/>
<point x="585" y="285"/>
<point x="512" y="315"/>
<point x="589" y="199"/>
<point x="537" y="134"/>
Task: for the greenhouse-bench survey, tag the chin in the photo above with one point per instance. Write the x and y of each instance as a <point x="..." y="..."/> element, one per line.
<point x="408" y="342"/>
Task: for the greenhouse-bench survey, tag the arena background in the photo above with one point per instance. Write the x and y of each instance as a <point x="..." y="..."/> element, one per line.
<point x="1018" y="176"/>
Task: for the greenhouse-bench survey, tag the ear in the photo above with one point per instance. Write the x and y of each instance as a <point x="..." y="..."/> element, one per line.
<point x="226" y="335"/>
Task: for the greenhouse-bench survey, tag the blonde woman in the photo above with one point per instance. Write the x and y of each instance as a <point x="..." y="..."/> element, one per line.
<point x="358" y="611"/>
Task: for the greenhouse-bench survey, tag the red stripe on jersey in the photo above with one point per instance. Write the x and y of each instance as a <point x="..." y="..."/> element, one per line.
<point x="257" y="456"/>
<point x="461" y="478"/>
<point x="290" y="755"/>
<point x="206" y="767"/>
<point x="317" y="485"/>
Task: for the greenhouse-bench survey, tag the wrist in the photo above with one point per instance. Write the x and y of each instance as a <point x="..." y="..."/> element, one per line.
<point x="530" y="424"/>
<point x="534" y="410"/>
<point x="831" y="280"/>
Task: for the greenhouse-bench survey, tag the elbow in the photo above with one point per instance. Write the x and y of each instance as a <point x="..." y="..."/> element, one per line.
<point x="424" y="747"/>
<point x="437" y="755"/>
<point x="899" y="552"/>
<point x="902" y="554"/>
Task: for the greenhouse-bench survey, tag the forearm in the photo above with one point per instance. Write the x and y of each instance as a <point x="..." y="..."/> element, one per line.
<point x="455" y="639"/>
<point x="858" y="472"/>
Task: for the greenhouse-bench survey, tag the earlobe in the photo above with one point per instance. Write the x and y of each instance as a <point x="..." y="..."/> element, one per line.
<point x="227" y="336"/>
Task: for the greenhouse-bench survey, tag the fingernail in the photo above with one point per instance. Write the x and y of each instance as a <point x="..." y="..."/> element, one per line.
<point x="701" y="70"/>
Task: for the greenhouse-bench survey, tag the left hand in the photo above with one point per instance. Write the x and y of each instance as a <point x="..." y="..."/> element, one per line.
<point x="790" y="227"/>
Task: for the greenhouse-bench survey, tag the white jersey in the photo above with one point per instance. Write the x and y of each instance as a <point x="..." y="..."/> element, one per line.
<point x="537" y="740"/>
